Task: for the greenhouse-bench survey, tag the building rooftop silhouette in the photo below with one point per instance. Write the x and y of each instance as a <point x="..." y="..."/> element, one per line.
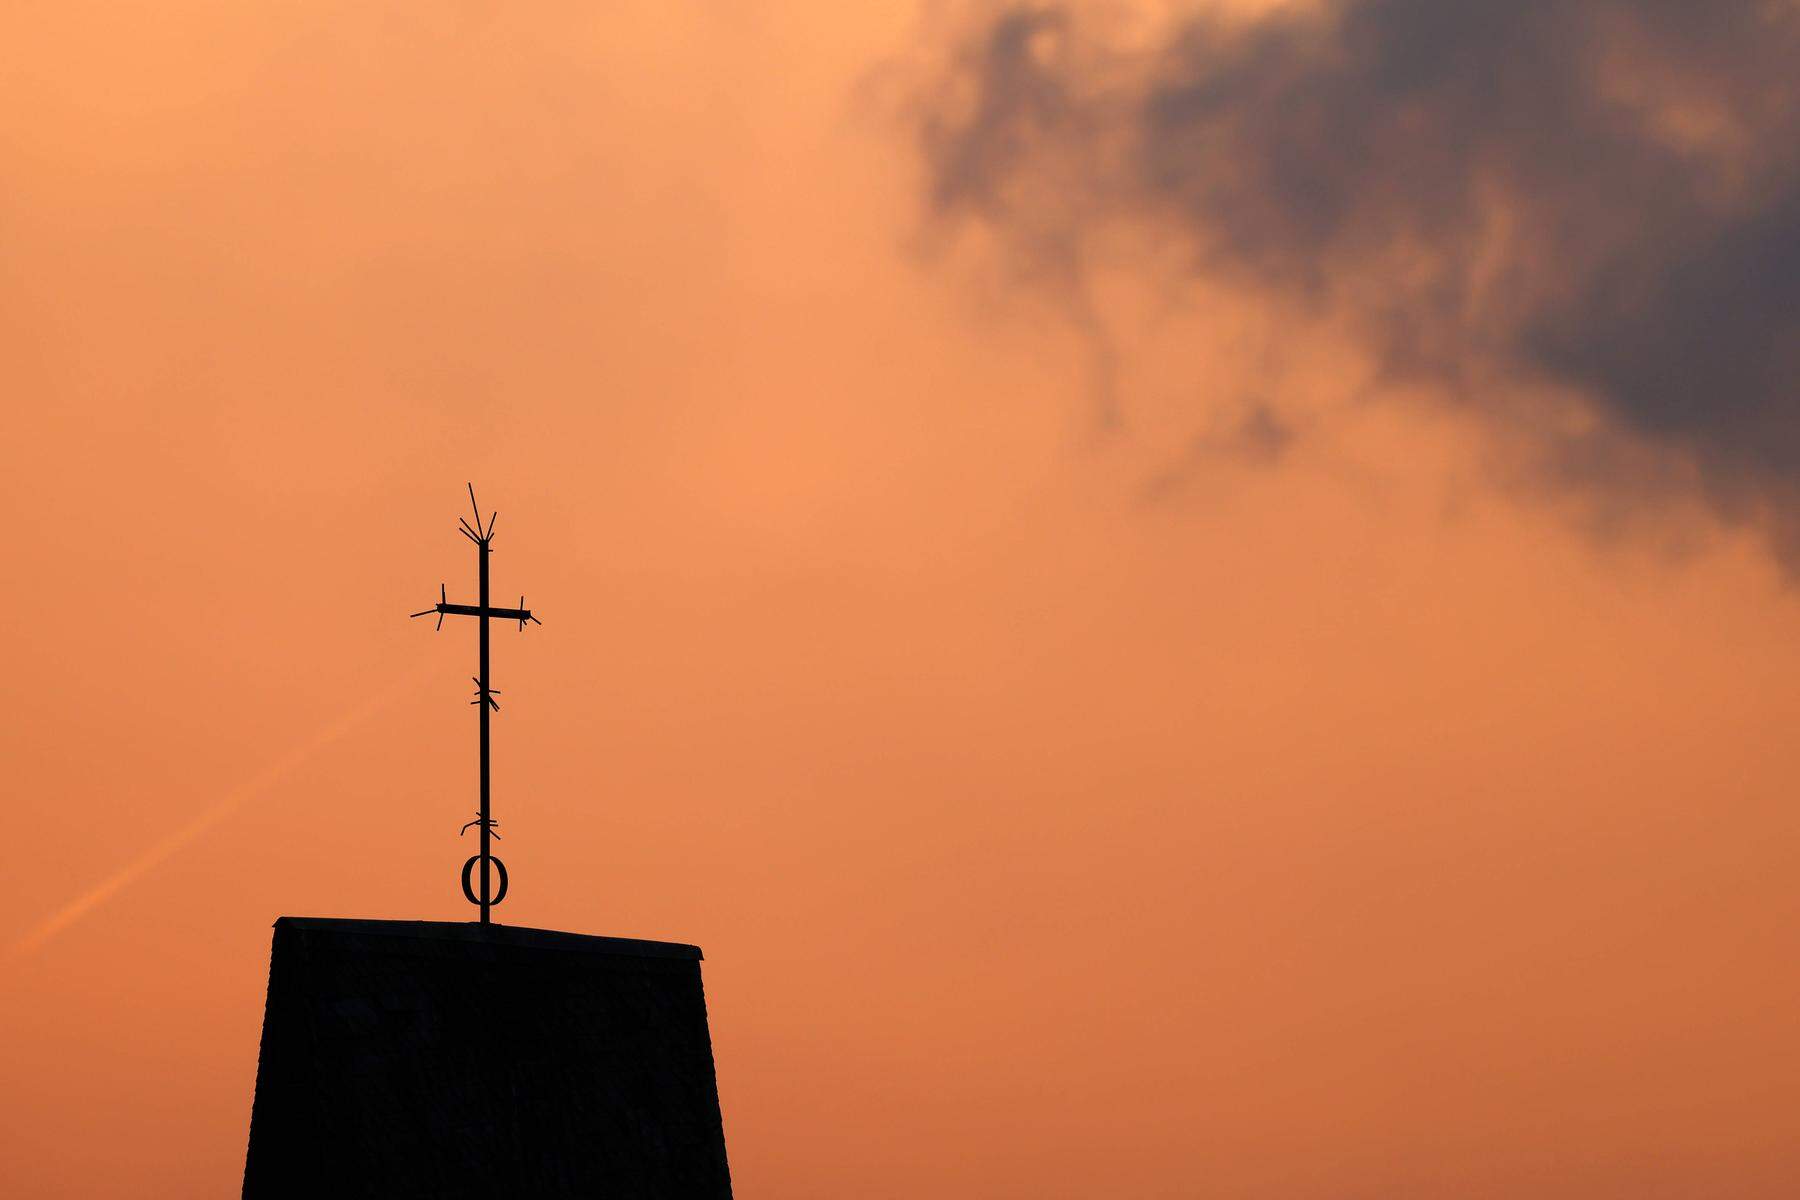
<point x="425" y="1058"/>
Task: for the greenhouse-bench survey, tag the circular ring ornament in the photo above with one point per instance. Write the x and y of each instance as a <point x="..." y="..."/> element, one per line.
<point x="469" y="892"/>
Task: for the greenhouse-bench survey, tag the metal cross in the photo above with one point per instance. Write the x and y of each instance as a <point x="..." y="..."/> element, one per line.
<point x="484" y="702"/>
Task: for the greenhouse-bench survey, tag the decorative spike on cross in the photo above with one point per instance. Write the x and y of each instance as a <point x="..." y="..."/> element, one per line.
<point x="483" y="537"/>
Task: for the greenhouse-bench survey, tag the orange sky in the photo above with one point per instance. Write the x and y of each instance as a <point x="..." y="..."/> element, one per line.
<point x="1357" y="826"/>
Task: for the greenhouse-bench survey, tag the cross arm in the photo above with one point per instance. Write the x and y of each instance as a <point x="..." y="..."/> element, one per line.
<point x="444" y="608"/>
<point x="475" y="610"/>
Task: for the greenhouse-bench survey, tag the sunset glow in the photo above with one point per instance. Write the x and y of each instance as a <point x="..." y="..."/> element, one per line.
<point x="1153" y="663"/>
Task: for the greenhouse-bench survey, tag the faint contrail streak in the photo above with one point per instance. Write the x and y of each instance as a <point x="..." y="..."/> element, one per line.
<point x="94" y="897"/>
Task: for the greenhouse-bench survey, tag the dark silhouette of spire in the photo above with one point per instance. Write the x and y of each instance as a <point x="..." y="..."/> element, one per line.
<point x="441" y="1059"/>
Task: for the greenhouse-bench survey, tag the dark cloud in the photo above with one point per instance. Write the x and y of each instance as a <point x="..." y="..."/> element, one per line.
<point x="1600" y="196"/>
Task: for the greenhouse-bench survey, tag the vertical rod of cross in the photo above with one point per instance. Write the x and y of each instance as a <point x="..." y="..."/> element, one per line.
<point x="482" y="550"/>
